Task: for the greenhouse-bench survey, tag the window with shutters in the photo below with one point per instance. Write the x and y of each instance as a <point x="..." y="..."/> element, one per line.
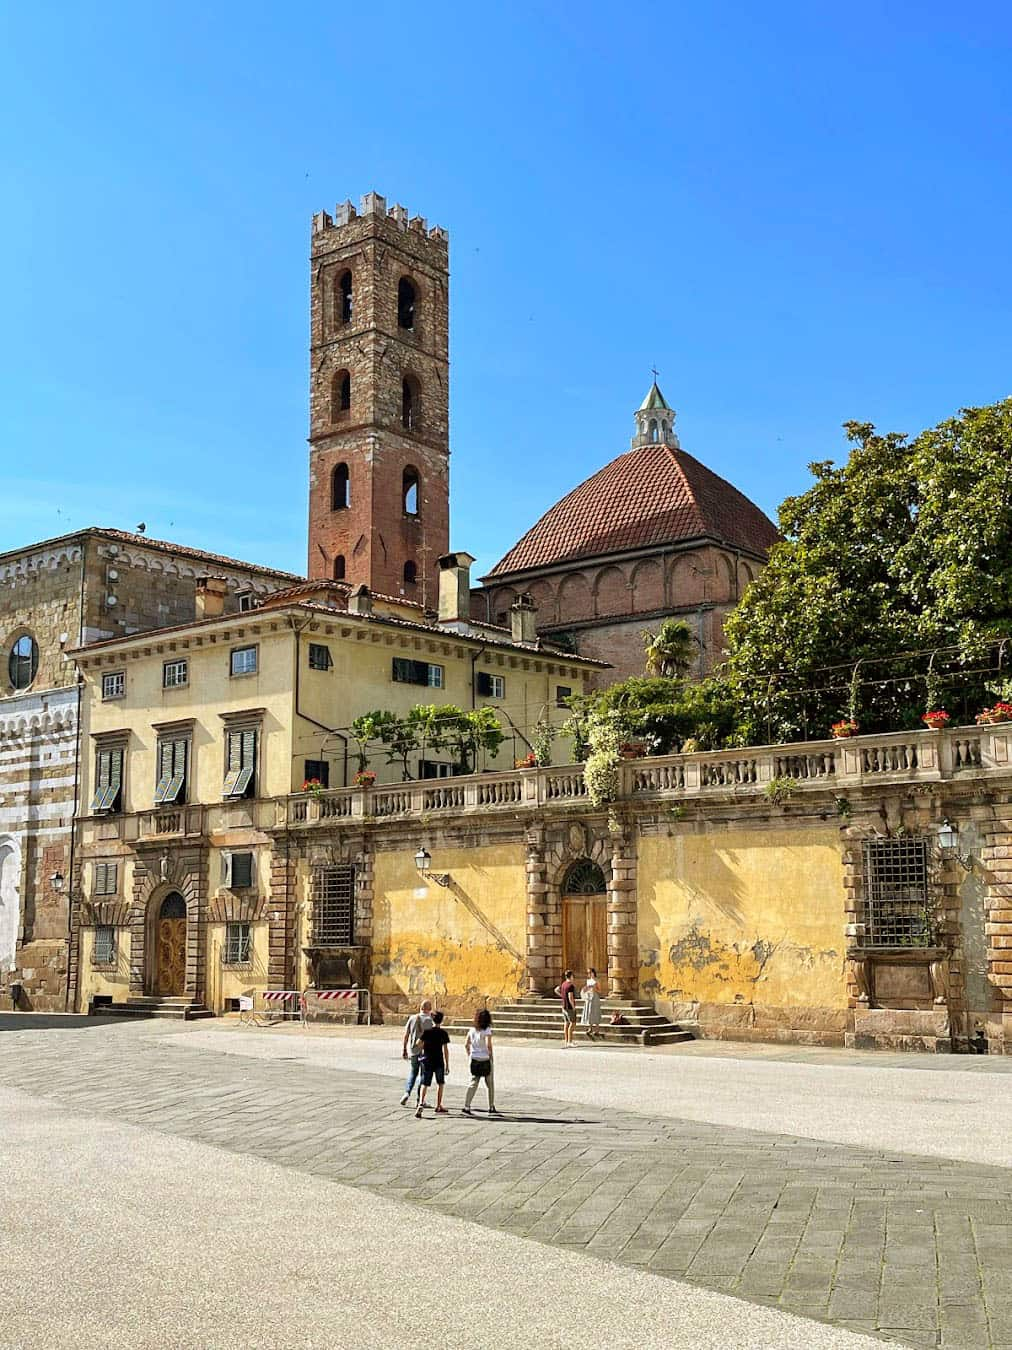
<point x="417" y="672"/>
<point x="334" y="906"/>
<point x="174" y="674"/>
<point x="319" y="656"/>
<point x="114" y="684"/>
<point x="237" y="870"/>
<point x="173" y="764"/>
<point x="490" y="686"/>
<point x="240" y="762"/>
<point x="105" y="878"/>
<point x="238" y="948"/>
<point x="318" y="770"/>
<point x="108" y="795"/>
<point x="104" y="950"/>
<point x="243" y="661"/>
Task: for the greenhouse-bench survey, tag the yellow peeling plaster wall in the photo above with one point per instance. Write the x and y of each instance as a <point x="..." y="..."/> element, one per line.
<point x="459" y="944"/>
<point x="745" y="928"/>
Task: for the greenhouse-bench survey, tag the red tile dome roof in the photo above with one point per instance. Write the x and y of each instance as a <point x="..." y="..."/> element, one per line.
<point x="650" y="496"/>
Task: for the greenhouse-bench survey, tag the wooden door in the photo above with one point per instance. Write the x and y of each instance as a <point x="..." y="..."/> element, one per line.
<point x="170" y="944"/>
<point x="585" y="937"/>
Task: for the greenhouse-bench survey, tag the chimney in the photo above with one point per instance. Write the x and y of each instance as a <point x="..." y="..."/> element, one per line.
<point x="360" y="600"/>
<point x="455" y="588"/>
<point x="210" y="598"/>
<point x="523" y="613"/>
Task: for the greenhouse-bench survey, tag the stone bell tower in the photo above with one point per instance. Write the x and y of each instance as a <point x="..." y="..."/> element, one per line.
<point x="379" y="480"/>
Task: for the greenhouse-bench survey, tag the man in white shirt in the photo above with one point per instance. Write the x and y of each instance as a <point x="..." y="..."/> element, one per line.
<point x="412" y="1047"/>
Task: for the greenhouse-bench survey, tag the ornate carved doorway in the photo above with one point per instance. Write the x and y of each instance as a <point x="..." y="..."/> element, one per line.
<point x="170" y="946"/>
<point x="585" y="922"/>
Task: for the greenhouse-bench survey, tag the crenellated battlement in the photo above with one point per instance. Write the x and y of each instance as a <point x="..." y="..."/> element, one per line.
<point x="372" y="204"/>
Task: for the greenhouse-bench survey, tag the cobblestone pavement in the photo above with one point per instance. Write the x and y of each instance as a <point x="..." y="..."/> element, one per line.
<point x="901" y="1247"/>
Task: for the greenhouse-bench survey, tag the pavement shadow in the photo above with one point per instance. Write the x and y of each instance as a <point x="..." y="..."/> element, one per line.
<point x="31" y="1021"/>
<point x="513" y="1118"/>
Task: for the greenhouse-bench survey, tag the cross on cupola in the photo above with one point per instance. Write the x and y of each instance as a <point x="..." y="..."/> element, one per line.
<point x="655" y="420"/>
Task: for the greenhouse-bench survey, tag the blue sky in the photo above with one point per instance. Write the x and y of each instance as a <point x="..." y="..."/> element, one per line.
<point x="800" y="213"/>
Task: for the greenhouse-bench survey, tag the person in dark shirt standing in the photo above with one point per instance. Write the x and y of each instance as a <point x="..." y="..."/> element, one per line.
<point x="567" y="993"/>
<point x="435" y="1063"/>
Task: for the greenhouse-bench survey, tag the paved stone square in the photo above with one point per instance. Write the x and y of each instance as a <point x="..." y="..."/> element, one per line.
<point x="897" y="1246"/>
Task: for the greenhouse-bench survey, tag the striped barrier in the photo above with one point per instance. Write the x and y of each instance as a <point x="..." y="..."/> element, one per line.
<point x="356" y="1003"/>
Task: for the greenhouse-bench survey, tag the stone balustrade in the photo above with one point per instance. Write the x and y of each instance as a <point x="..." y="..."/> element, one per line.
<point x="909" y="756"/>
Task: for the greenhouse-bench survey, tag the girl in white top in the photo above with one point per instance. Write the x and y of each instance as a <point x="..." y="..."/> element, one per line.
<point x="590" y="1017"/>
<point x="479" y="1049"/>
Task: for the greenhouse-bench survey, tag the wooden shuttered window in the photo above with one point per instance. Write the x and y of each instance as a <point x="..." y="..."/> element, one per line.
<point x="405" y="671"/>
<point x="106" y="877"/>
<point x="108" y="780"/>
<point x="173" y="758"/>
<point x="240" y="762"/>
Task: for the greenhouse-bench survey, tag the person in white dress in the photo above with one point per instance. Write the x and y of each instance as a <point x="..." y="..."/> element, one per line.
<point x="590" y="1015"/>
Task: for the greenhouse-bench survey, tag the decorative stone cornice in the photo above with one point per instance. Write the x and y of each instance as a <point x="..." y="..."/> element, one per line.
<point x="48" y="717"/>
<point x="25" y="568"/>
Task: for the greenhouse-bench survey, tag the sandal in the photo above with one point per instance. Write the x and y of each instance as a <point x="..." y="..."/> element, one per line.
<point x="441" y="1111"/>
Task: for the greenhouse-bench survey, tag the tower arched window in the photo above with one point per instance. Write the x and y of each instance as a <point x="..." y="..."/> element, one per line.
<point x="653" y="429"/>
<point x="339" y="567"/>
<point x="410" y="403"/>
<point x="340" y="395"/>
<point x="410" y="573"/>
<point x="340" y="489"/>
<point x="409" y="491"/>
<point x="345" y="297"/>
<point x="405" y="304"/>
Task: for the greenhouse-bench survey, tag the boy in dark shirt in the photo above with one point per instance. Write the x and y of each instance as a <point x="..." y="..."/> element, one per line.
<point x="435" y="1060"/>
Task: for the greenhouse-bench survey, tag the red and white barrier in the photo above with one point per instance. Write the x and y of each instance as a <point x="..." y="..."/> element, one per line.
<point x="325" y="994"/>
<point x="359" y="1000"/>
<point x="279" y="995"/>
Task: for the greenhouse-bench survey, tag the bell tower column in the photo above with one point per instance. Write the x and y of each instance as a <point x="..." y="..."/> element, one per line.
<point x="379" y="399"/>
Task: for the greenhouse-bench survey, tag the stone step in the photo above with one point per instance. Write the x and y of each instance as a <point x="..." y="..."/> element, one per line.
<point x="661" y="1033"/>
<point x="182" y="1010"/>
<point x="553" y="1015"/>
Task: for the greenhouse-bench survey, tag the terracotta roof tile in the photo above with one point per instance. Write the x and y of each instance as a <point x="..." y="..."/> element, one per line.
<point x="651" y="495"/>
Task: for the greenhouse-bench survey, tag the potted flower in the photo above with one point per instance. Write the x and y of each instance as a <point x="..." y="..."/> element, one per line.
<point x="365" y="778"/>
<point x="314" y="787"/>
<point x="528" y="762"/>
<point x="843" y="729"/>
<point x="633" y="749"/>
<point x="999" y="712"/>
<point x="937" y="720"/>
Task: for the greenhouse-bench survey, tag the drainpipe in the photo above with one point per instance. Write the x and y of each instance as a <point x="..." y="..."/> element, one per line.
<point x="298" y="630"/>
<point x="77" y="793"/>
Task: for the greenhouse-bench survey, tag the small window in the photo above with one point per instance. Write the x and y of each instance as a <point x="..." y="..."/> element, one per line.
<point x="433" y="768"/>
<point x="108" y="780"/>
<point x="237" y="870"/>
<point x="653" y="431"/>
<point x="246" y="601"/>
<point x="318" y="771"/>
<point x="339" y="567"/>
<point x="334" y="906"/>
<point x="417" y="672"/>
<point x="238" y="947"/>
<point x="243" y="661"/>
<point x="409" y="491"/>
<point x="410" y="573"/>
<point x="175" y="674"/>
<point x="340" y="395"/>
<point x="240" y="763"/>
<point x="23" y="662"/>
<point x="319" y="656"/>
<point x="105" y="945"/>
<point x="105" y="878"/>
<point x="114" y="684"/>
<point x="490" y="686"/>
<point x="563" y="694"/>
<point x="340" y="488"/>
<point x="345" y="297"/>
<point x="405" y="304"/>
<point x="173" y="757"/>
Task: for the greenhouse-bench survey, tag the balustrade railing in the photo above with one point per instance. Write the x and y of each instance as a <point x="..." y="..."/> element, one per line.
<point x="902" y="756"/>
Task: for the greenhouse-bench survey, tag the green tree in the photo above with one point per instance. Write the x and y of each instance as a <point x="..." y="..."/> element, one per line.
<point x="905" y="547"/>
<point x="670" y="651"/>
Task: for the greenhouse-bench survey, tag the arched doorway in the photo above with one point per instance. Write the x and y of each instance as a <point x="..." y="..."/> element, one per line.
<point x="170" y="946"/>
<point x="585" y="921"/>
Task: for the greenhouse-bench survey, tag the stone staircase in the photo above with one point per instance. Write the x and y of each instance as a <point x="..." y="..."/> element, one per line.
<point x="538" y="1018"/>
<point x="182" y="1009"/>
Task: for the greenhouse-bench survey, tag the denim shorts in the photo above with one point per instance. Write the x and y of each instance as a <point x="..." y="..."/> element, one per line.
<point x="429" y="1071"/>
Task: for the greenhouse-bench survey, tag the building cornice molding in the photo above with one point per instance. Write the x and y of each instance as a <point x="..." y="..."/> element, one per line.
<point x="21" y="570"/>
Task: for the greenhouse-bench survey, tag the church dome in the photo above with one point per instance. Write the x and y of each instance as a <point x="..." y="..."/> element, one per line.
<point x="653" y="495"/>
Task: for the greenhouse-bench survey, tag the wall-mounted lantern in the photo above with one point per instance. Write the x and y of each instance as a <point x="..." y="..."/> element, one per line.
<point x="948" y="844"/>
<point x="56" y="881"/>
<point x="422" y="861"/>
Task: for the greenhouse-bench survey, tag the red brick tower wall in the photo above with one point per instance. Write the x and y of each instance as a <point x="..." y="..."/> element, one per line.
<point x="374" y="533"/>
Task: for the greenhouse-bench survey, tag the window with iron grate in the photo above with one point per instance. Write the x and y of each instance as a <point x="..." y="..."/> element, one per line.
<point x="334" y="906"/>
<point x="104" y="952"/>
<point x="897" y="904"/>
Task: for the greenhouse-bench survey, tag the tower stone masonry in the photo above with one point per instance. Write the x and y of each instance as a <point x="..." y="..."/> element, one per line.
<point x="379" y="400"/>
